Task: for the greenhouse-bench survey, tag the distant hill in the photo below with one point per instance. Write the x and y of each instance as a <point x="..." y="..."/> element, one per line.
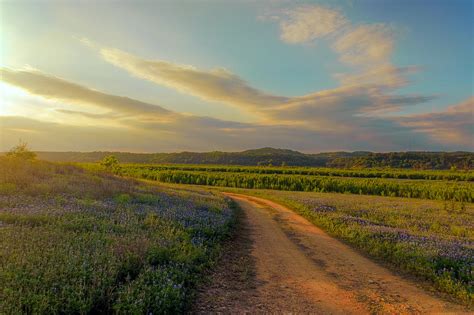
<point x="277" y="157"/>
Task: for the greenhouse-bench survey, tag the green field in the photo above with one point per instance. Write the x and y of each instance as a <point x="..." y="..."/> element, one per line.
<point x="463" y="175"/>
<point x="80" y="242"/>
<point x="399" y="183"/>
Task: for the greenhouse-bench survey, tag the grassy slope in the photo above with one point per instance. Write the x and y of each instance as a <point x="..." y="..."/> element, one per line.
<point x="73" y="241"/>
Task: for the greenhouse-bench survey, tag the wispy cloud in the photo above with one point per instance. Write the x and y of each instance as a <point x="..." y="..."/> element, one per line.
<point x="308" y="23"/>
<point x="198" y="134"/>
<point x="360" y="93"/>
<point x="51" y="87"/>
<point x="385" y="75"/>
<point x="454" y="125"/>
<point x="367" y="45"/>
<point x="107" y="115"/>
<point x="217" y="85"/>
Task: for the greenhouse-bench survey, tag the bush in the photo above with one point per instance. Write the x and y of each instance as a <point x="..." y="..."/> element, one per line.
<point x="21" y="151"/>
<point x="111" y="164"/>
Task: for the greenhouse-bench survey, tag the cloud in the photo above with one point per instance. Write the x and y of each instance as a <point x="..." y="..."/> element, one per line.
<point x="366" y="45"/>
<point x="342" y="110"/>
<point x="341" y="118"/>
<point x="54" y="88"/>
<point x="44" y="135"/>
<point x="366" y="93"/>
<point x="385" y="75"/>
<point x="60" y="136"/>
<point x="454" y="125"/>
<point x="357" y="45"/>
<point x="217" y="85"/>
<point x="107" y="115"/>
<point x="307" y="23"/>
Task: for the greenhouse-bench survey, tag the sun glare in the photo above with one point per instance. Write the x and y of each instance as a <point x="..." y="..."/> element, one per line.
<point x="10" y="96"/>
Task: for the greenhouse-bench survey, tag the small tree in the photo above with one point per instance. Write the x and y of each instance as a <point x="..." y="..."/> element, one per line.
<point x="111" y="163"/>
<point x="21" y="151"/>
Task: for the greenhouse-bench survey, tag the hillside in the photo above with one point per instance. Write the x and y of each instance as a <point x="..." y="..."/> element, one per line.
<point x="277" y="157"/>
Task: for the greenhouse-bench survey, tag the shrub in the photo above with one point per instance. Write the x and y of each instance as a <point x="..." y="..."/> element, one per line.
<point x="21" y="151"/>
<point x="111" y="164"/>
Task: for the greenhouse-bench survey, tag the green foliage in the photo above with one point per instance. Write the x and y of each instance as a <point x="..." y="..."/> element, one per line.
<point x="21" y="151"/>
<point x="110" y="163"/>
<point x="7" y="188"/>
<point x="123" y="199"/>
<point x="80" y="242"/>
<point x="426" y="189"/>
<point x="157" y="288"/>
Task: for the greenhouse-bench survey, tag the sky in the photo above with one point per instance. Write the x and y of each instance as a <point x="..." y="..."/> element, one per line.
<point x="167" y="76"/>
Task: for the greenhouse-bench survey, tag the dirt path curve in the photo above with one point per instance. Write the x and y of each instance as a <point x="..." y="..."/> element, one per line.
<point x="300" y="269"/>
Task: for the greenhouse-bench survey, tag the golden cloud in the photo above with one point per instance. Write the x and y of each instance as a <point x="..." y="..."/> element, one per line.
<point x="217" y="85"/>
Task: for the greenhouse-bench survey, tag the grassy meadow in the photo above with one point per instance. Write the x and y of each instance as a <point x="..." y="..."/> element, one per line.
<point x="74" y="241"/>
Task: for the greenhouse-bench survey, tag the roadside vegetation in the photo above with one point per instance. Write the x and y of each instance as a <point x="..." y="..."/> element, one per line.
<point x="432" y="240"/>
<point x="74" y="241"/>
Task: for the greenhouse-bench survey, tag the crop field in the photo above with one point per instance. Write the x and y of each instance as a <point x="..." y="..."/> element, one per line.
<point x="454" y="175"/>
<point x="398" y="183"/>
<point x="79" y="242"/>
<point x="429" y="239"/>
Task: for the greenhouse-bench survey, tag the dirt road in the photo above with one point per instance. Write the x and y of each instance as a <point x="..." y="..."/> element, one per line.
<point x="300" y="269"/>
